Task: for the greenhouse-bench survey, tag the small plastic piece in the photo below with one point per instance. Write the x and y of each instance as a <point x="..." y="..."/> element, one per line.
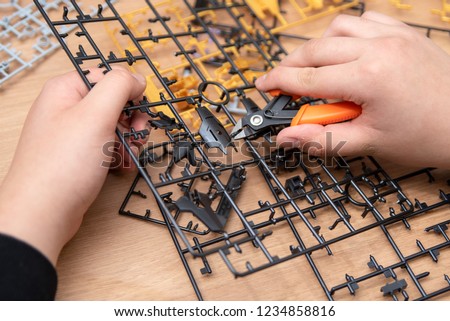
<point x="164" y="122"/>
<point x="444" y="12"/>
<point x="212" y="131"/>
<point x="234" y="183"/>
<point x="25" y="29"/>
<point x="400" y="5"/>
<point x="182" y="150"/>
<point x="204" y="213"/>
<point x="396" y="286"/>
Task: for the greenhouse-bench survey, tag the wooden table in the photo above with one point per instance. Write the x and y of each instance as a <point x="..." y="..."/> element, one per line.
<point x="117" y="258"/>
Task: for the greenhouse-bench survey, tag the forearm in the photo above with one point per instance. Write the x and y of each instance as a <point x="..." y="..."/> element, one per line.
<point x="26" y="214"/>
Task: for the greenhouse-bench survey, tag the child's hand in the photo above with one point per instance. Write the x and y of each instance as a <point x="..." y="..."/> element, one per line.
<point x="59" y="165"/>
<point x="399" y="77"/>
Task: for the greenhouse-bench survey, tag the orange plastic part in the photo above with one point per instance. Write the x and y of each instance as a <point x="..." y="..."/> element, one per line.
<point x="326" y="113"/>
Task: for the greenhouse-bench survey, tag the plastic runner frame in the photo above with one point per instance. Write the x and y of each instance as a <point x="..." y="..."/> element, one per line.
<point x="202" y="186"/>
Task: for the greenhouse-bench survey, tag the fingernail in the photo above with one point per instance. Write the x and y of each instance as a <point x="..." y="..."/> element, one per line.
<point x="260" y="80"/>
<point x="140" y="78"/>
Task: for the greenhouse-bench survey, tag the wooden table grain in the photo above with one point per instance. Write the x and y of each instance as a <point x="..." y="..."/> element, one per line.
<point x="113" y="257"/>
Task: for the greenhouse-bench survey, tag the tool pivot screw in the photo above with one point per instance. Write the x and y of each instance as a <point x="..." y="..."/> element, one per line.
<point x="256" y="120"/>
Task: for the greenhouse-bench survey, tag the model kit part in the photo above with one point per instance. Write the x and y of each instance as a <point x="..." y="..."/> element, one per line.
<point x="444" y="12"/>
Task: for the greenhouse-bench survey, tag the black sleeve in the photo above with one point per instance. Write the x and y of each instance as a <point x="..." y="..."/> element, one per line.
<point x="25" y="273"/>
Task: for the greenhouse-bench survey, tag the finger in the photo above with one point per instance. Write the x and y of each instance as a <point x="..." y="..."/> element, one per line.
<point x="326" y="51"/>
<point x="105" y="101"/>
<point x="343" y="139"/>
<point x="360" y="27"/>
<point x="121" y="159"/>
<point x="339" y="81"/>
<point x="381" y="18"/>
<point x="67" y="89"/>
<point x="126" y="162"/>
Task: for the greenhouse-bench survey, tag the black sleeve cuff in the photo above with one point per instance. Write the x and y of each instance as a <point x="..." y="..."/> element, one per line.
<point x="25" y="273"/>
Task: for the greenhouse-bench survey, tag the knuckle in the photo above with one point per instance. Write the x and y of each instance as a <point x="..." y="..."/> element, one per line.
<point x="56" y="83"/>
<point x="274" y="78"/>
<point x="311" y="47"/>
<point x="372" y="70"/>
<point x="337" y="22"/>
<point x="368" y="15"/>
<point x="121" y="75"/>
<point x="396" y="44"/>
<point x="378" y="63"/>
<point x="314" y="146"/>
<point x="306" y="77"/>
<point x="317" y="150"/>
<point x="368" y="149"/>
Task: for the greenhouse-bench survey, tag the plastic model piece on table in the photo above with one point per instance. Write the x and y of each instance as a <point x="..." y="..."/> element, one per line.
<point x="24" y="24"/>
<point x="182" y="78"/>
<point x="400" y="5"/>
<point x="25" y="37"/>
<point x="207" y="200"/>
<point x="444" y="12"/>
<point x="300" y="11"/>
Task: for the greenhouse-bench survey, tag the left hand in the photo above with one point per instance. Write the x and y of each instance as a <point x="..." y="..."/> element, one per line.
<point x="59" y="165"/>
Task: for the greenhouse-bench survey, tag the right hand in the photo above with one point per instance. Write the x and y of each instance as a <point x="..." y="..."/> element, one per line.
<point x="399" y="77"/>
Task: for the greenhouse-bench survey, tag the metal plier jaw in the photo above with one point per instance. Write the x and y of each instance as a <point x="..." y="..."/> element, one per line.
<point x="278" y="113"/>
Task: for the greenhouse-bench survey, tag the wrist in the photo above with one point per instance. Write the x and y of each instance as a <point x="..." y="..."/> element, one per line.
<point x="26" y="215"/>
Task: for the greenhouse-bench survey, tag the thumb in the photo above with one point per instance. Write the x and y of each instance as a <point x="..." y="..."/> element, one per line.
<point x="105" y="101"/>
<point x="343" y="139"/>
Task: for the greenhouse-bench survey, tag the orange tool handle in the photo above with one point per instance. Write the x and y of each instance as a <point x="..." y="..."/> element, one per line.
<point x="326" y="113"/>
<point x="322" y="114"/>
